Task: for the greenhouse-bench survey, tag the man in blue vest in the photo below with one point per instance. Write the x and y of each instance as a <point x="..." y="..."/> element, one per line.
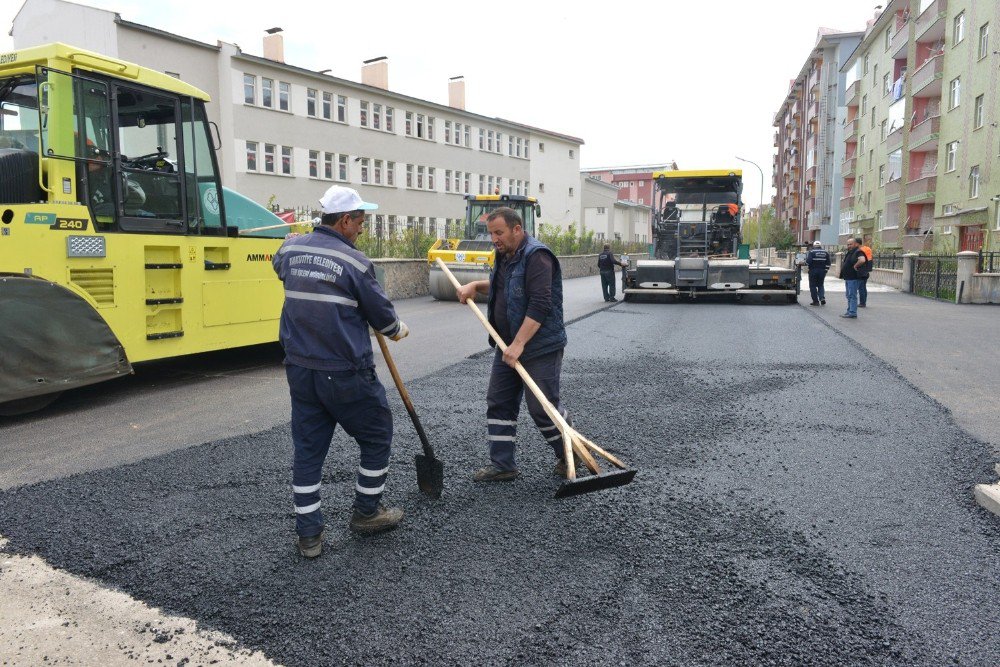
<point x="818" y="261"/>
<point x="331" y="299"/>
<point x="525" y="306"/>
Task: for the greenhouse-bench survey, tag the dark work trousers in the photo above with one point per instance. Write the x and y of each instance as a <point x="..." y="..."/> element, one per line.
<point x="816" y="289"/>
<point x="863" y="291"/>
<point x="608" y="284"/>
<point x="321" y="400"/>
<point x="503" y="403"/>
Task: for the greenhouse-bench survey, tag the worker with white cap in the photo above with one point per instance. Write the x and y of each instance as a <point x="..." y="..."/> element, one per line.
<point x="818" y="261"/>
<point x="331" y="300"/>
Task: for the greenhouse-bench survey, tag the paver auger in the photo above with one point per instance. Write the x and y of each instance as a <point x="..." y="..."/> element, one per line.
<point x="573" y="440"/>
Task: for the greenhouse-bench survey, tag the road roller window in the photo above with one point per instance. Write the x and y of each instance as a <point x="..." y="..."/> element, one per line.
<point x="19" y="141"/>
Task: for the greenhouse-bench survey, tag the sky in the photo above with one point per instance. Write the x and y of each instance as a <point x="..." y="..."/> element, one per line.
<point x="645" y="82"/>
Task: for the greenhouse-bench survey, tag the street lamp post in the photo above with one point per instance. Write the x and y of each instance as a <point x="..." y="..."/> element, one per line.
<point x="760" y="207"/>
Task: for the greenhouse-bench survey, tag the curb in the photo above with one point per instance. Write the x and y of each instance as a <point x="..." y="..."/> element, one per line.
<point x="988" y="497"/>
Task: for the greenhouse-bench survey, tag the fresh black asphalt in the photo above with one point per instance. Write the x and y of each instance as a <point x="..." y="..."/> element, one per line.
<point x="797" y="502"/>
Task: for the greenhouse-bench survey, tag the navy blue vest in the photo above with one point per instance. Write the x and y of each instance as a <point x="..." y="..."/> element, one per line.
<point x="551" y="336"/>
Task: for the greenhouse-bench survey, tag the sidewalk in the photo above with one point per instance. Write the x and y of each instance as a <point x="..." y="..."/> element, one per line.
<point x="947" y="351"/>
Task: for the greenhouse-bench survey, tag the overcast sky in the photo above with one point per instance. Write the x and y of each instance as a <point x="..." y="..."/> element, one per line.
<point x="641" y="82"/>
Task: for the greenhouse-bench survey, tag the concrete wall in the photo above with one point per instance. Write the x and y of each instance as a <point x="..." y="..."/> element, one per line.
<point x="891" y="277"/>
<point x="407" y="278"/>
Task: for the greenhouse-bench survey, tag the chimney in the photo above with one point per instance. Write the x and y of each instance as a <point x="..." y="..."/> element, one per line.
<point x="375" y="72"/>
<point x="274" y="45"/>
<point x="456" y="92"/>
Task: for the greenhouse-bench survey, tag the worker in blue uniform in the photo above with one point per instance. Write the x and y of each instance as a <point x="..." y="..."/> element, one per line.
<point x="525" y="306"/>
<point x="331" y="300"/>
<point x="818" y="261"/>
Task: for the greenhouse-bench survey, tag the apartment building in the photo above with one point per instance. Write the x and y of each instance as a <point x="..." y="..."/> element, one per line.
<point x="808" y="141"/>
<point x="287" y="132"/>
<point x="921" y="134"/>
<point x="612" y="218"/>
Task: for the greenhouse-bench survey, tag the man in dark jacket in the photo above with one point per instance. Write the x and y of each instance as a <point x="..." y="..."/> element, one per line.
<point x="606" y="264"/>
<point x="331" y="299"/>
<point x="525" y="306"/>
<point x="851" y="271"/>
<point x="818" y="261"/>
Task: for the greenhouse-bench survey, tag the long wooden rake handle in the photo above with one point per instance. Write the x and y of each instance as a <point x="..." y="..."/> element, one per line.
<point x="570" y="443"/>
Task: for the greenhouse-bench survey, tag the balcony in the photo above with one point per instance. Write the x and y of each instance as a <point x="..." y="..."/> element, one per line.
<point x="931" y="23"/>
<point x="814" y="110"/>
<point x="811" y="174"/>
<point x="924" y="136"/>
<point x="810" y="204"/>
<point x="927" y="79"/>
<point x="851" y="94"/>
<point x="894" y="141"/>
<point x="921" y="190"/>
<point x="793" y="213"/>
<point x="851" y="131"/>
<point x="892" y="189"/>
<point x="847" y="201"/>
<point x="848" y="166"/>
<point x="897" y="47"/>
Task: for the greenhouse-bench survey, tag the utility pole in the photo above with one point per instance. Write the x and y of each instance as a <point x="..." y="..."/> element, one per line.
<point x="760" y="209"/>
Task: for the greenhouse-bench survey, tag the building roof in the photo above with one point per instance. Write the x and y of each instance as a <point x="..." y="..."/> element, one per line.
<point x="824" y="38"/>
<point x="326" y="78"/>
<point x="635" y="168"/>
<point x="871" y="31"/>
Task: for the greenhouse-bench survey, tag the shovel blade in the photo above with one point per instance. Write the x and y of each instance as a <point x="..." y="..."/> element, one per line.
<point x="574" y="487"/>
<point x="430" y="475"/>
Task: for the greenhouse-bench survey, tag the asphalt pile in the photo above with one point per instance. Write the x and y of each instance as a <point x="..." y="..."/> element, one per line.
<point x="759" y="529"/>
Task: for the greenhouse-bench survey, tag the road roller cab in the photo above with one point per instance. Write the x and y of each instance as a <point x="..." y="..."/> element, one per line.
<point x="471" y="258"/>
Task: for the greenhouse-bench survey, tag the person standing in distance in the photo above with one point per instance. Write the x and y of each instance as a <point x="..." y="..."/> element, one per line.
<point x="863" y="285"/>
<point x="525" y="306"/>
<point x="818" y="261"/>
<point x="850" y="271"/>
<point x="331" y="299"/>
<point x="606" y="264"/>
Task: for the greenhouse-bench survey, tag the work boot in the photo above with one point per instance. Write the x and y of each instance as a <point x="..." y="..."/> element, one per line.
<point x="493" y="474"/>
<point x="382" y="519"/>
<point x="814" y="303"/>
<point x="311" y="546"/>
<point x="822" y="302"/>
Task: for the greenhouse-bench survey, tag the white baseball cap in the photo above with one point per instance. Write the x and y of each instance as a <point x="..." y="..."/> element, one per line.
<point x="816" y="244"/>
<point x="339" y="199"/>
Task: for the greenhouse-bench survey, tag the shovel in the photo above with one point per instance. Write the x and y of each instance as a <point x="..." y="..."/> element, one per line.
<point x="573" y="441"/>
<point x="430" y="471"/>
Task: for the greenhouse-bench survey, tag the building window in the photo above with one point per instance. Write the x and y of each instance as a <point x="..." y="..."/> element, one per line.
<point x="269" y="158"/>
<point x="431" y="171"/>
<point x="489" y="141"/>
<point x="389" y="120"/>
<point x="467" y="180"/>
<point x="958" y="32"/>
<point x="342" y="167"/>
<point x="313" y="164"/>
<point x="510" y="146"/>
<point x="951" y="153"/>
<point x="266" y="93"/>
<point x="286" y="160"/>
<point x="447" y="179"/>
<point x="420" y="177"/>
<point x="467" y="137"/>
<point x="482" y="139"/>
<point x="875" y="75"/>
<point x="327" y="102"/>
<point x="520" y="147"/>
<point x="571" y="192"/>
<point x="886" y="84"/>
<point x="365" y="170"/>
<point x="977" y="115"/>
<point x="251" y="156"/>
<point x="408" y="126"/>
<point x="447" y="132"/>
<point x="430" y="127"/>
<point x="409" y="175"/>
<point x="974" y="182"/>
<point x="420" y="126"/>
<point x="541" y="146"/>
<point x="328" y="166"/>
<point x="341" y="108"/>
<point x="871" y="159"/>
<point x="284" y="95"/>
<point x="888" y="38"/>
<point x="311" y="102"/>
<point x="457" y="185"/>
<point x="866" y="61"/>
<point x="572" y="154"/>
<point x="984" y="40"/>
<point x="249" y="89"/>
<point x="364" y="113"/>
<point x="864" y="104"/>
<point x="955" y="92"/>
<point x="879" y="221"/>
<point x="885" y="127"/>
<point x="390" y="173"/>
<point x="541" y="187"/>
<point x="377" y="167"/>
<point x="881" y="175"/>
<point x="482" y="184"/>
<point x="377" y="117"/>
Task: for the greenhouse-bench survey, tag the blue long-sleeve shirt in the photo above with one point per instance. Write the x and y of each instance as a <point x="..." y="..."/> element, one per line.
<point x="331" y="298"/>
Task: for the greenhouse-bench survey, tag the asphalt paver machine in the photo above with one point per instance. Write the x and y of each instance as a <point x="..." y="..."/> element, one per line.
<point x="697" y="249"/>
